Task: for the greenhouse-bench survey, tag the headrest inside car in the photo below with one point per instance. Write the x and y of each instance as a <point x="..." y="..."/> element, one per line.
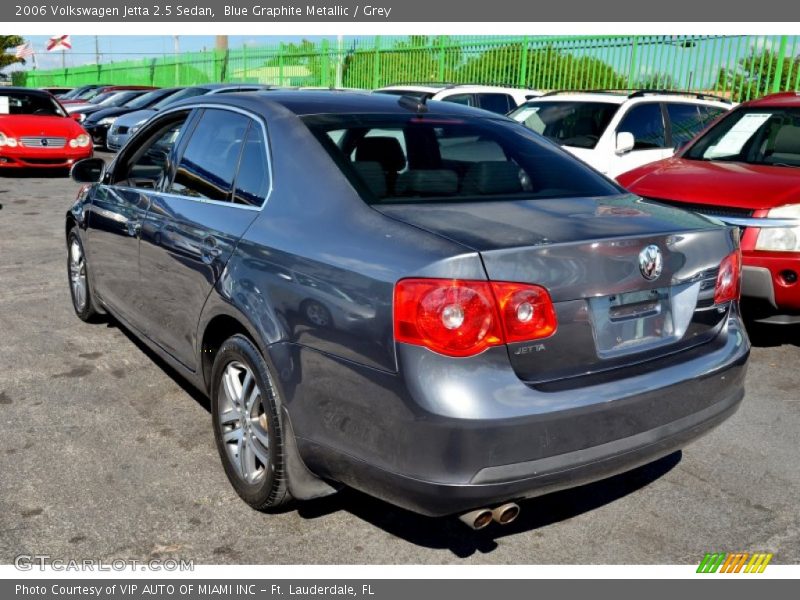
<point x="382" y="149"/>
<point x="492" y="177"/>
<point x="787" y="141"/>
<point x="371" y="173"/>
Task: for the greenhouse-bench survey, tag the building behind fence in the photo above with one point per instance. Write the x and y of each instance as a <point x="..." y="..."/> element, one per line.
<point x="737" y="67"/>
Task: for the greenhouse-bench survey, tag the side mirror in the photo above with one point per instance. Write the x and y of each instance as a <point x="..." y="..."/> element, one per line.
<point x="88" y="170"/>
<point x="625" y="142"/>
<point x="76" y="116"/>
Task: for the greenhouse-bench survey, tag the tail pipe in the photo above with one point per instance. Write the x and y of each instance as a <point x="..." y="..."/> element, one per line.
<point x="477" y="519"/>
<point x="481" y="517"/>
<point x="506" y="513"/>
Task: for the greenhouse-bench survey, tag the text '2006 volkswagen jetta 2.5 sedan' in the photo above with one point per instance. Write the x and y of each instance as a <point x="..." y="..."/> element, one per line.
<point x="426" y="302"/>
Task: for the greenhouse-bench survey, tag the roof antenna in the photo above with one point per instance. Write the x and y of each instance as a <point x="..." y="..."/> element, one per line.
<point x="418" y="105"/>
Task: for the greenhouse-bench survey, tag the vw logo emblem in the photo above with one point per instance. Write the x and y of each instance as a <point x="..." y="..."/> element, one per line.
<point x="651" y="262"/>
<point x="44" y="141"/>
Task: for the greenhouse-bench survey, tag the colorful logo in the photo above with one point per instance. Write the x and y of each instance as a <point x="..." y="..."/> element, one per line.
<point x="738" y="562"/>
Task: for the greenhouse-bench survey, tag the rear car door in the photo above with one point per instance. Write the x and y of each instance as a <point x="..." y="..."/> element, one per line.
<point x="196" y="220"/>
<point x="646" y="122"/>
<point x="117" y="211"/>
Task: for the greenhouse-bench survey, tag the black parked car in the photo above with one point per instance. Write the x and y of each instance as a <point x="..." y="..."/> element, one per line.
<point x="97" y="123"/>
<point x="103" y="101"/>
<point x="427" y="302"/>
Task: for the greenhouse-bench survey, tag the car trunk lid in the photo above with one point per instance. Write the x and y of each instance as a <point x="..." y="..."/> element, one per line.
<point x="590" y="254"/>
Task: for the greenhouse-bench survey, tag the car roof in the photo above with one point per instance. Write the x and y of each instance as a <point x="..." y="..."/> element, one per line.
<point x="10" y="88"/>
<point x="312" y="102"/>
<point x="623" y="97"/>
<point x="791" y="99"/>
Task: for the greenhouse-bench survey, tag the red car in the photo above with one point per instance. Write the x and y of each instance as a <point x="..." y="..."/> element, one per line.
<point x="35" y="131"/>
<point x="744" y="170"/>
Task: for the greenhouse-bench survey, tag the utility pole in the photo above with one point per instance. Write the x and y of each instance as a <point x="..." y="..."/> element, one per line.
<point x="221" y="50"/>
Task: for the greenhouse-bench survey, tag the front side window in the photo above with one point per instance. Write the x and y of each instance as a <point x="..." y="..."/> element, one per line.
<point x="577" y="124"/>
<point x="444" y="159"/>
<point x="767" y="136"/>
<point x="146" y="166"/>
<point x="208" y="165"/>
<point x="646" y="123"/>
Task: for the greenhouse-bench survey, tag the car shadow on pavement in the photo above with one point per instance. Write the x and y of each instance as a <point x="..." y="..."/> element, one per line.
<point x="765" y="335"/>
<point x="449" y="533"/>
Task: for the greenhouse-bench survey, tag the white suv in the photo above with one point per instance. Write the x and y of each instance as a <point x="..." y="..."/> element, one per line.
<point x="618" y="131"/>
<point x="488" y="97"/>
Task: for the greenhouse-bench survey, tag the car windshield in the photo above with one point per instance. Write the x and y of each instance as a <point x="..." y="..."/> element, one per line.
<point x="420" y="158"/>
<point x="577" y="124"/>
<point x="179" y="95"/>
<point x="120" y="99"/>
<point x="100" y="98"/>
<point x="144" y="100"/>
<point x="759" y="136"/>
<point x="23" y="103"/>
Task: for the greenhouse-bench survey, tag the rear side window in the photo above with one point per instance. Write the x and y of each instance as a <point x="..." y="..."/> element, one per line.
<point x="410" y="158"/>
<point x="686" y="121"/>
<point x="497" y="103"/>
<point x="577" y="124"/>
<point x="465" y="99"/>
<point x="710" y="113"/>
<point x="209" y="162"/>
<point x="252" y="180"/>
<point x="646" y="123"/>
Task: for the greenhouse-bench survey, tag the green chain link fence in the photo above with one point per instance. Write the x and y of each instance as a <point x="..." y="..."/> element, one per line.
<point x="737" y="67"/>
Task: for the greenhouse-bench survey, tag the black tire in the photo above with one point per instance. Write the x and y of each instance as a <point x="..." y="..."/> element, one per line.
<point x="84" y="308"/>
<point x="271" y="491"/>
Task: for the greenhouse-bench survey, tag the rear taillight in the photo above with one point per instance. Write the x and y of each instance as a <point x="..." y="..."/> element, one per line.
<point x="527" y="311"/>
<point x="729" y="279"/>
<point x="464" y="318"/>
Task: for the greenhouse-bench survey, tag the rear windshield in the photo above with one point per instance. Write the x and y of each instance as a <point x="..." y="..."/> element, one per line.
<point x="761" y="136"/>
<point x="577" y="124"/>
<point x="413" y="158"/>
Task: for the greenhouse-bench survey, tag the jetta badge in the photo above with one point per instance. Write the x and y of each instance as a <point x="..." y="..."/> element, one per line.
<point x="651" y="262"/>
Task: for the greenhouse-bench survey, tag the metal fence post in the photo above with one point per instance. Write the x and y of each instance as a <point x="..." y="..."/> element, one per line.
<point x="441" y="58"/>
<point x="633" y="66"/>
<point x="778" y="75"/>
<point x="523" y="63"/>
<point x="280" y="63"/>
<point x="376" y="68"/>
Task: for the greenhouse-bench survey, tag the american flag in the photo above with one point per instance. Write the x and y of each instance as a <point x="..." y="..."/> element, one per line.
<point x="24" y="50"/>
<point x="59" y="42"/>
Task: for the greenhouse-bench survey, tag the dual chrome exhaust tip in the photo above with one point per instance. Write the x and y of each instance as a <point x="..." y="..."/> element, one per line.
<point x="482" y="517"/>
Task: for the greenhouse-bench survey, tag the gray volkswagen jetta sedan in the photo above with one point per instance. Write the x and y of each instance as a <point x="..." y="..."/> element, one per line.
<point x="426" y="302"/>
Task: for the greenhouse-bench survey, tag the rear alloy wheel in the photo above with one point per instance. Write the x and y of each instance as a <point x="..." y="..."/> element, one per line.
<point x="79" y="288"/>
<point x="246" y="424"/>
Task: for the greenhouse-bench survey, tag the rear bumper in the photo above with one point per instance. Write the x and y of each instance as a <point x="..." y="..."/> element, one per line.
<point x="476" y="435"/>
